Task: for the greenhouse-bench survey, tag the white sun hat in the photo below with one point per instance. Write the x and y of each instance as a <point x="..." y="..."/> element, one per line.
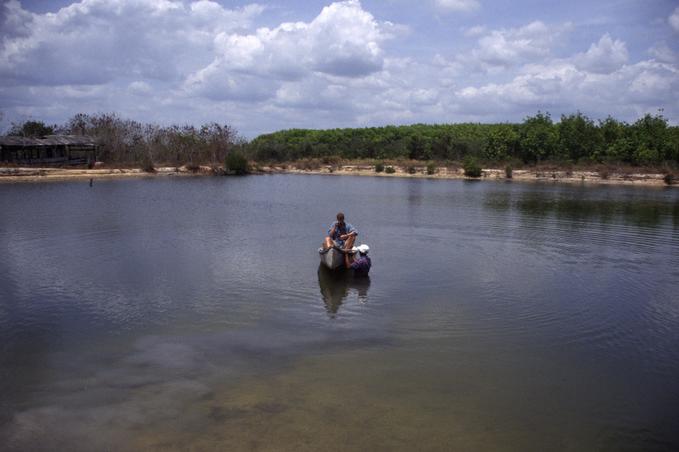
<point x="363" y="249"/>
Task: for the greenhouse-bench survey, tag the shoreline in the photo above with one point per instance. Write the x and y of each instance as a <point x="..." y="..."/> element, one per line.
<point x="488" y="174"/>
<point x="531" y="175"/>
<point x="30" y="174"/>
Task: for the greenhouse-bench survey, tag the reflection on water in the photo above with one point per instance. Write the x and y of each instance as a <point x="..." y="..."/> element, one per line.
<point x="191" y="314"/>
<point x="586" y="204"/>
<point x="337" y="285"/>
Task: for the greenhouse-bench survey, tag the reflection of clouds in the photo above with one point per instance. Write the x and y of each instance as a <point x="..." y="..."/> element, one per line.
<point x="161" y="383"/>
<point x="104" y="425"/>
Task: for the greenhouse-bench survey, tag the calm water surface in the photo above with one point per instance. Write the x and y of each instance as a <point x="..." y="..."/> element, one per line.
<point x="184" y="314"/>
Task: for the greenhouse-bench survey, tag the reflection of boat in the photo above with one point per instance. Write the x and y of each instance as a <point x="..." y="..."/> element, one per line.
<point x="337" y="285"/>
<point x="332" y="257"/>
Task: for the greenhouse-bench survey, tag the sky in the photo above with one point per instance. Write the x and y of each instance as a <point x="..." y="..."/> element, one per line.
<point x="272" y="65"/>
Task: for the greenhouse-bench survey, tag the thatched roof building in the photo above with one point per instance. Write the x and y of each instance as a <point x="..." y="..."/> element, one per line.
<point x="51" y="149"/>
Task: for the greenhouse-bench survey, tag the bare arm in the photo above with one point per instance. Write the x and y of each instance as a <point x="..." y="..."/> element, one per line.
<point x="347" y="260"/>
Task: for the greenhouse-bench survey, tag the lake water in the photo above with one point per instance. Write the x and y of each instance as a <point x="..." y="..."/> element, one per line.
<point x="191" y="314"/>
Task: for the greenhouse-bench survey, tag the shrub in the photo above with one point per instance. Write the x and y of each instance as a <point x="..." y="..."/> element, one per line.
<point x="508" y="171"/>
<point x="379" y="167"/>
<point x="410" y="169"/>
<point x="308" y="165"/>
<point x="331" y="160"/>
<point x="389" y="170"/>
<point x="668" y="179"/>
<point x="431" y="168"/>
<point x="236" y="163"/>
<point x="147" y="166"/>
<point x="471" y="167"/>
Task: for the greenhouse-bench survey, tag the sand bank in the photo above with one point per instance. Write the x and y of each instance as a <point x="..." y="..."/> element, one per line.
<point x="594" y="177"/>
<point x="540" y="175"/>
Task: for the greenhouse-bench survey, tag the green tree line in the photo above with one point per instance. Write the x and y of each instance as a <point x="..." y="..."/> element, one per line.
<point x="575" y="138"/>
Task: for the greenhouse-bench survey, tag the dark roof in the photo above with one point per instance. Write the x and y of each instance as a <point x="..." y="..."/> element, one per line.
<point x="49" y="140"/>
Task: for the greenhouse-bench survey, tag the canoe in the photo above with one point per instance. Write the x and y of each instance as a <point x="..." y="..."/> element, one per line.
<point x="331" y="258"/>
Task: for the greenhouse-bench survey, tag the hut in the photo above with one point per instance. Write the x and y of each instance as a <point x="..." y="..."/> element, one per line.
<point x="48" y="150"/>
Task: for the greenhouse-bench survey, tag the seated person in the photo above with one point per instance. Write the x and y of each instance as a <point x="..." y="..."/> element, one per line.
<point x="361" y="264"/>
<point x="340" y="235"/>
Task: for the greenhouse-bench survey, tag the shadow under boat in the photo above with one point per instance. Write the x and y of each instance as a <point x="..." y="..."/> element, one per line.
<point x="337" y="285"/>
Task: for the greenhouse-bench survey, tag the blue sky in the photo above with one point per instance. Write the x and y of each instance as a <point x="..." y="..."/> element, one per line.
<point x="280" y="64"/>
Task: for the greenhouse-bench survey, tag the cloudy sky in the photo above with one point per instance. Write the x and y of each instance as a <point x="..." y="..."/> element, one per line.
<point x="316" y="64"/>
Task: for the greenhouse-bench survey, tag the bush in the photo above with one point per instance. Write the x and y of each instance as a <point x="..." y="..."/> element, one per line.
<point x="410" y="169"/>
<point x="431" y="168"/>
<point x="146" y="166"/>
<point x="309" y="165"/>
<point x="236" y="163"/>
<point x="331" y="160"/>
<point x="668" y="179"/>
<point x="389" y="170"/>
<point x="379" y="167"/>
<point x="508" y="172"/>
<point x="471" y="167"/>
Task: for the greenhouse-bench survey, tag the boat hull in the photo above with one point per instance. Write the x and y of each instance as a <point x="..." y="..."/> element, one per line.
<point x="331" y="258"/>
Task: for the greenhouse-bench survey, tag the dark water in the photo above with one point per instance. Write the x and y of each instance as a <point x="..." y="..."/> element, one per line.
<point x="191" y="314"/>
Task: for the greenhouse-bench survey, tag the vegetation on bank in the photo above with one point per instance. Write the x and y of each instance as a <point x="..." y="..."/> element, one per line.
<point x="574" y="139"/>
<point x="538" y="140"/>
<point x="124" y="142"/>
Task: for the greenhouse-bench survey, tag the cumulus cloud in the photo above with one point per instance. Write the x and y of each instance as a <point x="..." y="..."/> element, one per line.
<point x="343" y="40"/>
<point x="458" y="5"/>
<point x="513" y="46"/>
<point x="604" y="56"/>
<point x="663" y="53"/>
<point x="674" y="20"/>
<point x="196" y="61"/>
<point x="95" y="41"/>
<point x="563" y="86"/>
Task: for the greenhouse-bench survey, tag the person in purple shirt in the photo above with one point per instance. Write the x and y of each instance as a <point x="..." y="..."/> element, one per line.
<point x="340" y="235"/>
<point x="361" y="264"/>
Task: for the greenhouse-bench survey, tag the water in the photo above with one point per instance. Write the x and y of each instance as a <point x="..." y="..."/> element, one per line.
<point x="175" y="314"/>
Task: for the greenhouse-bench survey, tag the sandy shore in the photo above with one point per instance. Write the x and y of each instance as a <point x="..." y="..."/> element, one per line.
<point x="61" y="174"/>
<point x="595" y="177"/>
<point x="641" y="179"/>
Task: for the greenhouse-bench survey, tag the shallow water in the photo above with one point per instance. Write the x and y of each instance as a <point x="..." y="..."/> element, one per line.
<point x="191" y="313"/>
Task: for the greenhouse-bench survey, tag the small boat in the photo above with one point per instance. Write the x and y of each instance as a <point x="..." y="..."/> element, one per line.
<point x="333" y="257"/>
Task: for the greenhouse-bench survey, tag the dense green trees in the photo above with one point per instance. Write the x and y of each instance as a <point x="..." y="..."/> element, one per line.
<point x="575" y="138"/>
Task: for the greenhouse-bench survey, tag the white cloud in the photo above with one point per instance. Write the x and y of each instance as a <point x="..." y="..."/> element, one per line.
<point x="474" y="31"/>
<point x="604" y="56"/>
<point x="182" y="61"/>
<point x="562" y="86"/>
<point x="674" y="20"/>
<point x="95" y="41"/>
<point x="458" y="5"/>
<point x="663" y="53"/>
<point x="514" y="46"/>
<point x="343" y="40"/>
